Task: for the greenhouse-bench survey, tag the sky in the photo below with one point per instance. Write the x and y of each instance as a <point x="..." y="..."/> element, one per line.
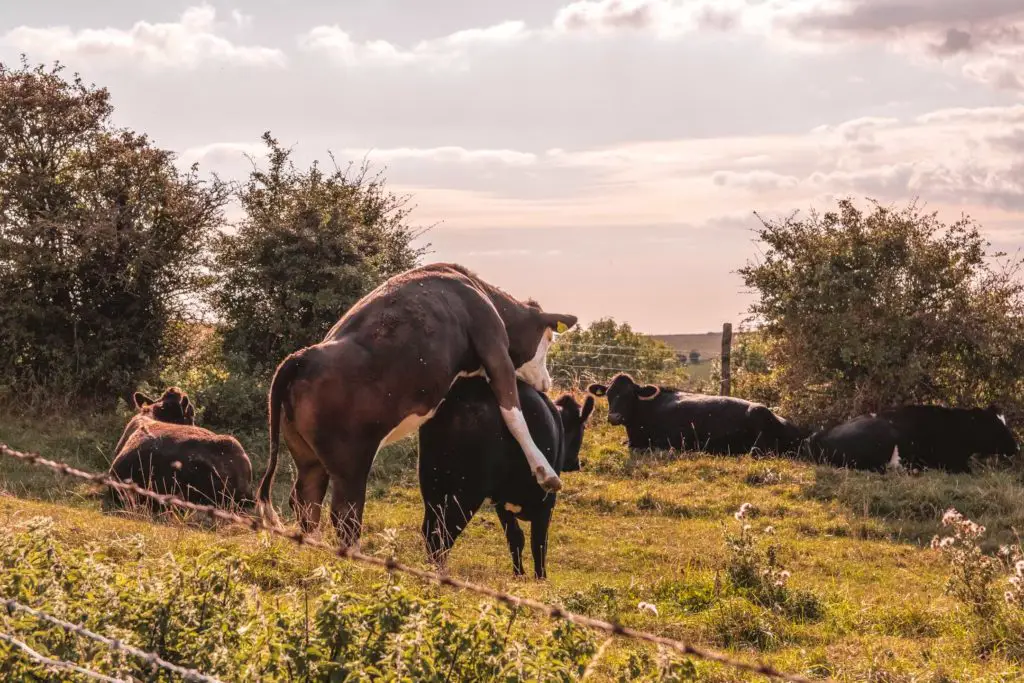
<point x="605" y="157"/>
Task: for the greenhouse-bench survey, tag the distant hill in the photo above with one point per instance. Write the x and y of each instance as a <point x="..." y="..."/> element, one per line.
<point x="708" y="344"/>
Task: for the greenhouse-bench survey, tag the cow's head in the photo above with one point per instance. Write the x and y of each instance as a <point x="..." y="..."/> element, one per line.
<point x="574" y="422"/>
<point x="624" y="395"/>
<point x="530" y="334"/>
<point x="173" y="406"/>
<point x="994" y="435"/>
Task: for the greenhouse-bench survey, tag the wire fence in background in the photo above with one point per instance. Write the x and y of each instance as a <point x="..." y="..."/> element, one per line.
<point x="392" y="565"/>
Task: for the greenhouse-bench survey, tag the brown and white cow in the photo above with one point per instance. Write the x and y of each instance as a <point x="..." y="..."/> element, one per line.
<point x="162" y="449"/>
<point x="383" y="370"/>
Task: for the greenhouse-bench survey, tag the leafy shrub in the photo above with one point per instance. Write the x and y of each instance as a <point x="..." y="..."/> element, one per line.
<point x="101" y="241"/>
<point x="205" y="614"/>
<point x="311" y="244"/>
<point x="866" y="309"/>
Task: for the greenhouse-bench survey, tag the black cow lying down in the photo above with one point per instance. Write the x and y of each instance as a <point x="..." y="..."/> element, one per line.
<point x="161" y="449"/>
<point x="915" y="436"/>
<point x="468" y="455"/>
<point x="662" y="417"/>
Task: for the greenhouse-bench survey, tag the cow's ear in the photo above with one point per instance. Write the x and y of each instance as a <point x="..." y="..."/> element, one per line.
<point x="597" y="390"/>
<point x="648" y="392"/>
<point x="588" y="408"/>
<point x="994" y="409"/>
<point x="140" y="399"/>
<point x="559" y="322"/>
<point x="190" y="411"/>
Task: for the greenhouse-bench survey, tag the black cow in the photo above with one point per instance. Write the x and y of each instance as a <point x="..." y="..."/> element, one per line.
<point x="468" y="455"/>
<point x="662" y="417"/>
<point x="163" y="450"/>
<point x="921" y="436"/>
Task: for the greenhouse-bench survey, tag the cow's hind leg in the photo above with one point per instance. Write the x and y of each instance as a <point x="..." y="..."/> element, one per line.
<point x="348" y="463"/>
<point x="308" y="494"/>
<point x="442" y="524"/>
<point x="310" y="488"/>
<point x="515" y="537"/>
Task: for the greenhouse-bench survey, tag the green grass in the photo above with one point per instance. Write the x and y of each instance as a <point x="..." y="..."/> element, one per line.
<point x="629" y="528"/>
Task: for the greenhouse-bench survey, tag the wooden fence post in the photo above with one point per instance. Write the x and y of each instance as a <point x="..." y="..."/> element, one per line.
<point x="726" y="353"/>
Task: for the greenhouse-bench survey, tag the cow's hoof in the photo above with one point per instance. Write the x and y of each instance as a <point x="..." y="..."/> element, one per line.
<point x="552" y="484"/>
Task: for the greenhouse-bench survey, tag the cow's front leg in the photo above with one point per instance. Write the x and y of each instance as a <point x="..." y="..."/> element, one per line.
<point x="539" y="542"/>
<point x="503" y="383"/>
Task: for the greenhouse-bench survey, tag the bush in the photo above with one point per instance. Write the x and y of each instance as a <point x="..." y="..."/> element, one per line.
<point x="597" y="353"/>
<point x="210" y="614"/>
<point x="863" y="310"/>
<point x="311" y="245"/>
<point x="101" y="240"/>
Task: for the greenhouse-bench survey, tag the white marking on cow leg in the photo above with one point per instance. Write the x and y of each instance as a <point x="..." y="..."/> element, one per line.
<point x="539" y="465"/>
<point x="514" y="509"/>
<point x="535" y="371"/>
<point x="894" y="462"/>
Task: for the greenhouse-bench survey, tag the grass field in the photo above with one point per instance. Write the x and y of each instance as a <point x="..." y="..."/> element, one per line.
<point x="865" y="600"/>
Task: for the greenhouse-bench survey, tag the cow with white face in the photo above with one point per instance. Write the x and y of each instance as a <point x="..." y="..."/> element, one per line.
<point x="384" y="369"/>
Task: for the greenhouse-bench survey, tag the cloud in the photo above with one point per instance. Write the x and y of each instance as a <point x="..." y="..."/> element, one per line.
<point x="450" y="154"/>
<point x="984" y="39"/>
<point x="450" y="51"/>
<point x="193" y="41"/>
<point x="959" y="159"/>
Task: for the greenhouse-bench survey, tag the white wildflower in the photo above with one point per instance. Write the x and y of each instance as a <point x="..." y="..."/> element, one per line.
<point x="1009" y="597"/>
<point x="1018" y="568"/>
<point x="951" y="516"/>
<point x="742" y="512"/>
<point x="649" y="607"/>
<point x="946" y="542"/>
<point x="769" y="530"/>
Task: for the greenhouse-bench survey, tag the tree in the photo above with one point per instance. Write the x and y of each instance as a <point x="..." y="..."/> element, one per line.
<point x="311" y="245"/>
<point x="867" y="309"/>
<point x="100" y="239"/>
<point x="597" y="353"/>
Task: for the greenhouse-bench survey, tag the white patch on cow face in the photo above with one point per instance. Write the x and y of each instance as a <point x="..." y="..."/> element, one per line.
<point x="1002" y="418"/>
<point x="539" y="465"/>
<point x="413" y="422"/>
<point x="513" y="508"/>
<point x="535" y="371"/>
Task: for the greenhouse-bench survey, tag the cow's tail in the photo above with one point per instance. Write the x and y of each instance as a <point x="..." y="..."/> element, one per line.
<point x="279" y="386"/>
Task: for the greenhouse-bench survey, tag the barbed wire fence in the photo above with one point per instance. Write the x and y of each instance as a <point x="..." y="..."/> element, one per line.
<point x="256" y="524"/>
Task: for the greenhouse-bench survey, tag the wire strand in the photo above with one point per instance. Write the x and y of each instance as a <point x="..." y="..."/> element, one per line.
<point x="393" y="565"/>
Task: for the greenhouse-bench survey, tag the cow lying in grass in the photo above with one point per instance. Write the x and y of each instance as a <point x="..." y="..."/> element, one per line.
<point x="662" y="417"/>
<point x="468" y="456"/>
<point x="915" y="436"/>
<point x="161" y="449"/>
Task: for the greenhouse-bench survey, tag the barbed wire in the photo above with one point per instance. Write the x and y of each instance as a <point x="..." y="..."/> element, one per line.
<point x="151" y="658"/>
<point x="393" y="565"/>
<point x="58" y="663"/>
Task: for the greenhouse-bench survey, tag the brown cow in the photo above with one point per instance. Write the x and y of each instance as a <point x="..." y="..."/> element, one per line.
<point x="161" y="449"/>
<point x="383" y="370"/>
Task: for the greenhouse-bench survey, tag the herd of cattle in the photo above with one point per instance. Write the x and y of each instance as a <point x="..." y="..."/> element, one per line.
<point x="438" y="350"/>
